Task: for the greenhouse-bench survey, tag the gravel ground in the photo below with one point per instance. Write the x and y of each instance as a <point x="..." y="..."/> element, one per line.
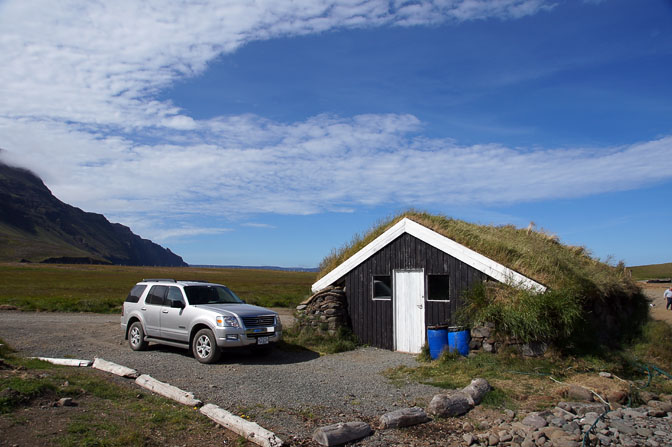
<point x="286" y="392"/>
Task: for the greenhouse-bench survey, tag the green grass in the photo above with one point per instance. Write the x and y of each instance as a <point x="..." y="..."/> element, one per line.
<point x="112" y="414"/>
<point x="525" y="382"/>
<point x="102" y="289"/>
<point x="654" y="271"/>
<point x="307" y="338"/>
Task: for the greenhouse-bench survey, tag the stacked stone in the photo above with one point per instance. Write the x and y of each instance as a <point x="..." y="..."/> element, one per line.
<point x="325" y="311"/>
<point x="567" y="424"/>
<point x="483" y="338"/>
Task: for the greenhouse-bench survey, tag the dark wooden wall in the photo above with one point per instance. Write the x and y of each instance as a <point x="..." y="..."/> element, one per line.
<point x="372" y="321"/>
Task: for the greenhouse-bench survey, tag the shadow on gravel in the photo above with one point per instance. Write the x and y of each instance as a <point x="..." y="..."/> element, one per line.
<point x="286" y="354"/>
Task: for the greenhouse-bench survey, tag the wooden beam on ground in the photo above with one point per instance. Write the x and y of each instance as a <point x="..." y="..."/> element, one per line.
<point x="249" y="430"/>
<point x="113" y="368"/>
<point x="168" y="391"/>
<point x="65" y="362"/>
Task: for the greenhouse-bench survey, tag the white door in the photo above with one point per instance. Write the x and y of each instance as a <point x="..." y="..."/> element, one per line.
<point x="409" y="310"/>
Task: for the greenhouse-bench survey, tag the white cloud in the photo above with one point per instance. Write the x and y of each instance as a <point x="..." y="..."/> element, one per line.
<point x="325" y="163"/>
<point x="78" y="81"/>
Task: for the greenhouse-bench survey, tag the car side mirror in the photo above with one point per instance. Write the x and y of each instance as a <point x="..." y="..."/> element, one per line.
<point x="177" y="305"/>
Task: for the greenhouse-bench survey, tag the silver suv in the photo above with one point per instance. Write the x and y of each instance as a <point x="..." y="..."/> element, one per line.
<point x="196" y="315"/>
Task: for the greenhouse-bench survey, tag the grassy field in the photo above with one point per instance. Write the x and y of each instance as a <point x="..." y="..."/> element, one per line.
<point x="101" y="288"/>
<point x="107" y="412"/>
<point x="654" y="271"/>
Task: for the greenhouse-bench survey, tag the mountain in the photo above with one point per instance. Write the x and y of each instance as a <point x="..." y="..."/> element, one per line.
<point x="35" y="226"/>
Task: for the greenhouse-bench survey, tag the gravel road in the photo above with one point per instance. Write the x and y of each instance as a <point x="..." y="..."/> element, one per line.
<point x="290" y="393"/>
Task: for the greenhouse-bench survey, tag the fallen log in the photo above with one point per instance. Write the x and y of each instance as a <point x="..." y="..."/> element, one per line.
<point x="341" y="433"/>
<point x="65" y="362"/>
<point x="168" y="391"/>
<point x="113" y="368"/>
<point x="404" y="417"/>
<point x="251" y="431"/>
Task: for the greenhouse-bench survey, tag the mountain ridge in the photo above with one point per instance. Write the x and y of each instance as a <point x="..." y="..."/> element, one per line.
<point x="35" y="226"/>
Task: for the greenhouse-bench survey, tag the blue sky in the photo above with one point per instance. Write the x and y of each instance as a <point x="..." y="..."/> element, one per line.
<point x="271" y="132"/>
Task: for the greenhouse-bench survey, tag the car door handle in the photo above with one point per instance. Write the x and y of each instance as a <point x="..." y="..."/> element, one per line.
<point x="143" y="308"/>
<point x="419" y="306"/>
<point x="164" y="311"/>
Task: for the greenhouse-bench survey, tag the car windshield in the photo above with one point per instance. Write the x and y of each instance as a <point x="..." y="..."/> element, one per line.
<point x="210" y="295"/>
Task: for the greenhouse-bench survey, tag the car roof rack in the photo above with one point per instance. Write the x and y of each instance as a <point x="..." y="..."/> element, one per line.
<point x="194" y="280"/>
<point x="158" y="280"/>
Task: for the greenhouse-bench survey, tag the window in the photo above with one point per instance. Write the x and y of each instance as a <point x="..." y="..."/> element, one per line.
<point x="211" y="295"/>
<point x="438" y="288"/>
<point x="155" y="295"/>
<point x="382" y="287"/>
<point x="135" y="294"/>
<point x="174" y="295"/>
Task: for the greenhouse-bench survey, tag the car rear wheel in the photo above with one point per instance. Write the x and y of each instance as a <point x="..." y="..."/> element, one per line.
<point x="204" y="347"/>
<point x="136" y="337"/>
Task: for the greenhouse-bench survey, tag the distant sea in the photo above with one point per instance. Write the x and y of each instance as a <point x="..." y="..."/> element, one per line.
<point x="259" y="267"/>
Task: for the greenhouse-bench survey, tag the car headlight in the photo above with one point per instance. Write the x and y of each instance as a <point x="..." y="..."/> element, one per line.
<point x="227" y="322"/>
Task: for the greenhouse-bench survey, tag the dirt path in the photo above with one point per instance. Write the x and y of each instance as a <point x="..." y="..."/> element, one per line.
<point x="655" y="294"/>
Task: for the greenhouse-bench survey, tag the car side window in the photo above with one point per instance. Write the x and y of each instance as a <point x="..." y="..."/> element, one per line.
<point x="174" y="295"/>
<point x="156" y="295"/>
<point x="136" y="293"/>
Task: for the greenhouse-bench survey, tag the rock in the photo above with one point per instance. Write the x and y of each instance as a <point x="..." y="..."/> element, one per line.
<point x="579" y="393"/>
<point x="468" y="438"/>
<point x="646" y="396"/>
<point x="606" y="375"/>
<point x="493" y="439"/>
<point x="341" y="433"/>
<point x="533" y="349"/>
<point x="618" y="396"/>
<point x="452" y="404"/>
<point x="467" y="427"/>
<point x="404" y="417"/>
<point x="66" y="402"/>
<point x="480" y="332"/>
<point x="477" y="389"/>
<point x="534" y="420"/>
<point x="509" y="415"/>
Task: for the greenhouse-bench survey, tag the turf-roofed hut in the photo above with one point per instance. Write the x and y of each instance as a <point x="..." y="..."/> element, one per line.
<point x="418" y="270"/>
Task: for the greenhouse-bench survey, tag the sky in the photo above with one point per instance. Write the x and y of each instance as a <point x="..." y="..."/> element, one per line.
<point x="272" y="132"/>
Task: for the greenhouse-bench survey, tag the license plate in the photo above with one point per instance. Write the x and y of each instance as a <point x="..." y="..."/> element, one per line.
<point x="262" y="340"/>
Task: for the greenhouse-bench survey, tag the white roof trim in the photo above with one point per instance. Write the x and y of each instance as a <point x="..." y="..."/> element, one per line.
<point x="458" y="251"/>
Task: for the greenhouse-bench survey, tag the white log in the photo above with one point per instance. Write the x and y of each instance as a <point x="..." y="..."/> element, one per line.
<point x="113" y="368"/>
<point x="65" y="362"/>
<point x="477" y="389"/>
<point x="341" y="433"/>
<point x="404" y="417"/>
<point x="168" y="391"/>
<point x="450" y="404"/>
<point x="251" y="431"/>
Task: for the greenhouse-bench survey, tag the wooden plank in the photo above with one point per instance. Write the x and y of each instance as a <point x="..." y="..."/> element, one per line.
<point x="168" y="391"/>
<point x="65" y="362"/>
<point x="113" y="368"/>
<point x="251" y="431"/>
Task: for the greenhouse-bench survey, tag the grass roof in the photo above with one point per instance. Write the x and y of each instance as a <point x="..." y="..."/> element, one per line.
<point x="533" y="253"/>
<point x="575" y="279"/>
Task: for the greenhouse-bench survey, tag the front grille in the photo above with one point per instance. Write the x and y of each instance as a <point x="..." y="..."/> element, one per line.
<point x="262" y="320"/>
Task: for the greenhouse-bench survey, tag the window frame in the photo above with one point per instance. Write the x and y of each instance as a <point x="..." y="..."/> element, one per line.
<point x="429" y="289"/>
<point x="373" y="288"/>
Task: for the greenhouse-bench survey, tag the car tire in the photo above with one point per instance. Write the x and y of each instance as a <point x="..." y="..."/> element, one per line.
<point x="204" y="346"/>
<point x="136" y="337"/>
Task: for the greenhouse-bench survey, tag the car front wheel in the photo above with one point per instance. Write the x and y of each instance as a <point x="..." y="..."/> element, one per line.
<point x="136" y="337"/>
<point x="204" y="347"/>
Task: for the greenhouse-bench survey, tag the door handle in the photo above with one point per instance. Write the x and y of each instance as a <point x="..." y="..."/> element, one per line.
<point x="419" y="306"/>
<point x="164" y="311"/>
<point x="143" y="308"/>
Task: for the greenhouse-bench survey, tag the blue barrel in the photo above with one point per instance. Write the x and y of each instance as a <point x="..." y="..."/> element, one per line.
<point x="458" y="340"/>
<point x="437" y="339"/>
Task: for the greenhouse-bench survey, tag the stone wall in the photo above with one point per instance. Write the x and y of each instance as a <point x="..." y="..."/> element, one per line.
<point x="484" y="338"/>
<point x="325" y="311"/>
